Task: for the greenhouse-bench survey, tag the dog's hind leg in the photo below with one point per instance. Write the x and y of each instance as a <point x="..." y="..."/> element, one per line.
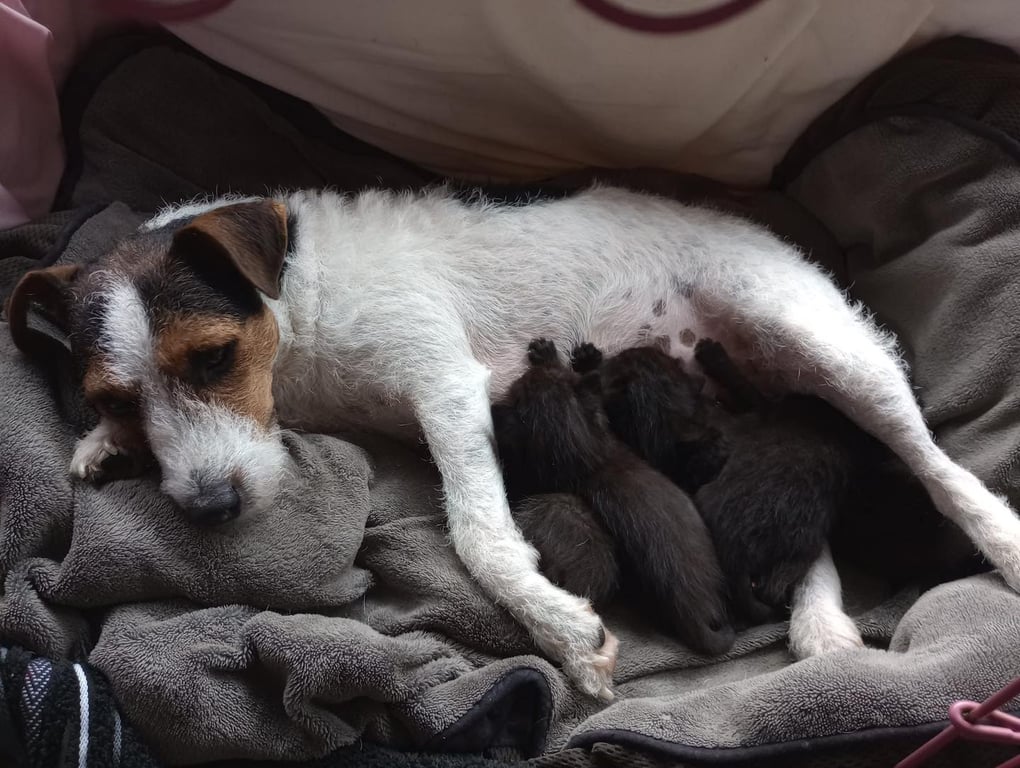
<point x="451" y="402"/>
<point x="818" y="344"/>
<point x="818" y="623"/>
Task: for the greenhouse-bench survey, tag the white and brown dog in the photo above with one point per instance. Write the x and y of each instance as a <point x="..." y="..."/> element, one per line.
<point x="219" y="321"/>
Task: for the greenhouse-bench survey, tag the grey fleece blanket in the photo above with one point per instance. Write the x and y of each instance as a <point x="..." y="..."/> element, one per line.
<point x="343" y="613"/>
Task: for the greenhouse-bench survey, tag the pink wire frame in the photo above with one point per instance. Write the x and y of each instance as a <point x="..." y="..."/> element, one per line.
<point x="972" y="721"/>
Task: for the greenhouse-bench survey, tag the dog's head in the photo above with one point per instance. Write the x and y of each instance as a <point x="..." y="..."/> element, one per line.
<point x="174" y="346"/>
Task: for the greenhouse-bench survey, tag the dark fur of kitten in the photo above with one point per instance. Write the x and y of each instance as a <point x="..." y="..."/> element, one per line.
<point x="793" y="471"/>
<point x="553" y="437"/>
<point x="655" y="407"/>
<point x="575" y="551"/>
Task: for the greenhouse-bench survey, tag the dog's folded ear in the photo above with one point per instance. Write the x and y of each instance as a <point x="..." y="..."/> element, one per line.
<point x="249" y="237"/>
<point x="50" y="290"/>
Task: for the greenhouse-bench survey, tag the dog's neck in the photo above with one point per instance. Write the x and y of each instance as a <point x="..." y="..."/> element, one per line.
<point x="307" y="282"/>
<point x="317" y="380"/>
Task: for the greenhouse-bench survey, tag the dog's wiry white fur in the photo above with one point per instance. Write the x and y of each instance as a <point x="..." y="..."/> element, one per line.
<point x="195" y="441"/>
<point x="191" y="208"/>
<point x="413" y="311"/>
<point x="818" y="623"/>
<point x="126" y="334"/>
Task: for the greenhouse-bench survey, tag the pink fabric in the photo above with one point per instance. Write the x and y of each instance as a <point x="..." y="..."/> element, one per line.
<point x="38" y="42"/>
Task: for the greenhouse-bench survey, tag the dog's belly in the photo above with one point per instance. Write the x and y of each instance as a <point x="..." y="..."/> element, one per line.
<point x="673" y="326"/>
<point x="665" y="319"/>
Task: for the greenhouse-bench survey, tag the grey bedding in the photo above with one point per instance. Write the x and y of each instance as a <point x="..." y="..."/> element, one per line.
<point x="343" y="614"/>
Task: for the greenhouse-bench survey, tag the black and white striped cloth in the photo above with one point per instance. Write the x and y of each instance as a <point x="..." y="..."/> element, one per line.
<point x="61" y="714"/>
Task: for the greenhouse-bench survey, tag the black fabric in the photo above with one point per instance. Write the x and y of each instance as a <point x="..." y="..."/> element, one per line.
<point x="337" y="158"/>
<point x="276" y="142"/>
<point x="516" y="711"/>
<point x="41" y="702"/>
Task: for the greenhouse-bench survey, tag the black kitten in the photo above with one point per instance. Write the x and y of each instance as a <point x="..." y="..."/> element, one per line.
<point x="781" y="469"/>
<point x="575" y="551"/>
<point x="875" y="512"/>
<point x="657" y="410"/>
<point x="794" y="471"/>
<point x="789" y="472"/>
<point x="553" y="437"/>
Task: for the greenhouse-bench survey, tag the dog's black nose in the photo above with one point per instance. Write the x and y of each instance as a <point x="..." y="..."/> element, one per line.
<point x="214" y="505"/>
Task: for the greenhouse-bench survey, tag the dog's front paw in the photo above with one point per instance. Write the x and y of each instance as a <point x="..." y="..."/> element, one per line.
<point x="585" y="358"/>
<point x="542" y="352"/>
<point x="592" y="670"/>
<point x="813" y="633"/>
<point x="585" y="650"/>
<point x="99" y="457"/>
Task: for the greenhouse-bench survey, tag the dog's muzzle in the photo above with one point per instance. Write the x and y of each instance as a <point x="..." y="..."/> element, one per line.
<point x="214" y="503"/>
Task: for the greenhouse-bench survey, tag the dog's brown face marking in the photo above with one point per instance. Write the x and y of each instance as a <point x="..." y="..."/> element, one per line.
<point x="224" y="360"/>
<point x="659" y="308"/>
<point x="209" y="333"/>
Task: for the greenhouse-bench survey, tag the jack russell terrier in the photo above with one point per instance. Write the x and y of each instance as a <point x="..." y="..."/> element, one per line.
<point x="217" y="322"/>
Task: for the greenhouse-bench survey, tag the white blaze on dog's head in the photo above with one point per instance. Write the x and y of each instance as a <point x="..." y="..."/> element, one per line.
<point x="176" y="346"/>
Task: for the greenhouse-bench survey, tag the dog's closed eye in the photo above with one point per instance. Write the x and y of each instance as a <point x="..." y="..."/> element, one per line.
<point x="207" y="366"/>
<point x="116" y="406"/>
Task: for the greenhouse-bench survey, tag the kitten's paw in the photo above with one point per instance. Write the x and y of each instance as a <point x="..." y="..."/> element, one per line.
<point x="585" y="358"/>
<point x="707" y="351"/>
<point x="542" y="352"/>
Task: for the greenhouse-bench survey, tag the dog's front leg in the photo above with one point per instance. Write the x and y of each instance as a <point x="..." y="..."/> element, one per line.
<point x="452" y="407"/>
<point x="818" y="623"/>
<point x="111" y="451"/>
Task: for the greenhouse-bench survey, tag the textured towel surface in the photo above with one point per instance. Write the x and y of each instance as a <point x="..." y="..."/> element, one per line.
<point x="343" y="614"/>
